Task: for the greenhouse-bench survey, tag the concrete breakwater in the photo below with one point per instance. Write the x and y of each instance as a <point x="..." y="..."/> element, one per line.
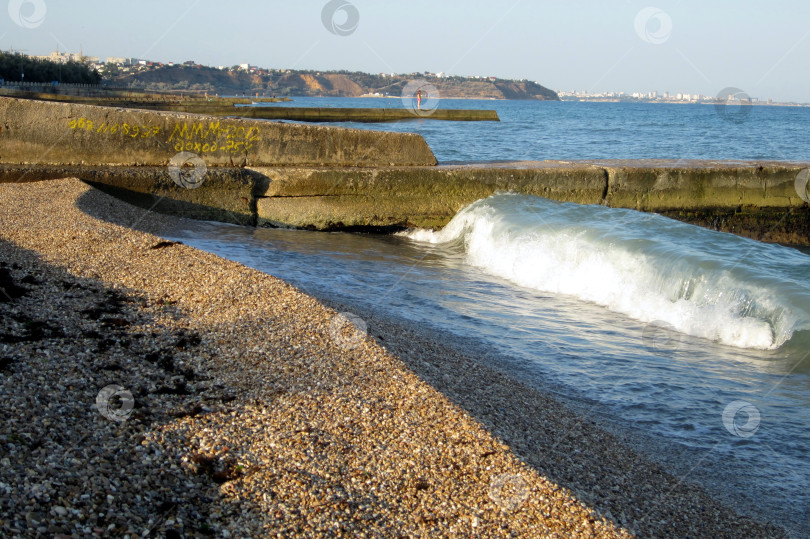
<point x="757" y="200"/>
<point x="760" y="200"/>
<point x="235" y="107"/>
<point x="337" y="179"/>
<point x="309" y="114"/>
<point x="107" y="97"/>
<point x="47" y="133"/>
<point x="141" y="100"/>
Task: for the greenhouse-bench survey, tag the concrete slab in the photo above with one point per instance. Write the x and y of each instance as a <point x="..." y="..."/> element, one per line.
<point x="39" y="132"/>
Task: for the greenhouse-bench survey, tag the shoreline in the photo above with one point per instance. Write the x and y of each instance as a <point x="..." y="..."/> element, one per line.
<point x="473" y="355"/>
<point x="267" y="421"/>
<point x="758" y="104"/>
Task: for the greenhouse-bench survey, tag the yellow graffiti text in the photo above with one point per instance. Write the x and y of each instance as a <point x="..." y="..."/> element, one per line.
<point x="125" y="130"/>
<point x="202" y="138"/>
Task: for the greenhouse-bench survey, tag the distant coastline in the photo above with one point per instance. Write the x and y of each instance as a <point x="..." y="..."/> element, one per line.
<point x="650" y="102"/>
<point x="675" y="101"/>
<point x="289" y="83"/>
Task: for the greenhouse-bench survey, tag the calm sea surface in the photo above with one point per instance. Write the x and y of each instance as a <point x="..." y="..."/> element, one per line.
<point x="695" y="343"/>
<point x="531" y="130"/>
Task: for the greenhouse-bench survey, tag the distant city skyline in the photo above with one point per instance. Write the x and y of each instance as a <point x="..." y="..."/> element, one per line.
<point x="591" y="46"/>
<point x="730" y="94"/>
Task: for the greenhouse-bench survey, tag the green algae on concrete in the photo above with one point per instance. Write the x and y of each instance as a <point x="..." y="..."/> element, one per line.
<point x="225" y="194"/>
<point x="238" y="108"/>
<point x="652" y="185"/>
<point x="360" y="115"/>
<point x="329" y="199"/>
<point x="752" y="199"/>
<point x="789" y="226"/>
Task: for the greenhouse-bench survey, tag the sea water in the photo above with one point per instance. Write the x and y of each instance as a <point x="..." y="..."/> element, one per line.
<point x="531" y="130"/>
<point x="694" y="343"/>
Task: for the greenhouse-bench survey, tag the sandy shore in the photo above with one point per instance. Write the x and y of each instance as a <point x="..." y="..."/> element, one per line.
<point x="238" y="406"/>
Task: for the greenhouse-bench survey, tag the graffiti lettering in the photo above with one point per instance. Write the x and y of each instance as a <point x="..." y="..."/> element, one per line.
<point x="126" y="130"/>
<point x="202" y="138"/>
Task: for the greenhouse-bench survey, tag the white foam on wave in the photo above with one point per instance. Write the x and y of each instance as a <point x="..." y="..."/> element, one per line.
<point x="631" y="265"/>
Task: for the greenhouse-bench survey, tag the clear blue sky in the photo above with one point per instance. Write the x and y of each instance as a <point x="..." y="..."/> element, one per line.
<point x="762" y="48"/>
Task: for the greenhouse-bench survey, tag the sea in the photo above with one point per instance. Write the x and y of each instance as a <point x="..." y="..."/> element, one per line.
<point x="692" y="343"/>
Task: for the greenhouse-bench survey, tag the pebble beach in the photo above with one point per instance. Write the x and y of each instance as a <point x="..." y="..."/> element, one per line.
<point x="149" y="389"/>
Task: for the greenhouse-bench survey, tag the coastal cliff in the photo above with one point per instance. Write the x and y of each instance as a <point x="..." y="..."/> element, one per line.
<point x="317" y="84"/>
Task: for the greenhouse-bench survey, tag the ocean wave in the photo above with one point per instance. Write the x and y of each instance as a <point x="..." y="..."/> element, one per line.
<point x="706" y="284"/>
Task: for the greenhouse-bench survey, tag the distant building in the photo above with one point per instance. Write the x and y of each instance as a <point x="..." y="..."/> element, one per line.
<point x="122" y="61"/>
<point x="65" y="57"/>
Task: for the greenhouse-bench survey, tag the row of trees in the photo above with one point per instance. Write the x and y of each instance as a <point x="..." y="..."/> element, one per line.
<point x="18" y="67"/>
